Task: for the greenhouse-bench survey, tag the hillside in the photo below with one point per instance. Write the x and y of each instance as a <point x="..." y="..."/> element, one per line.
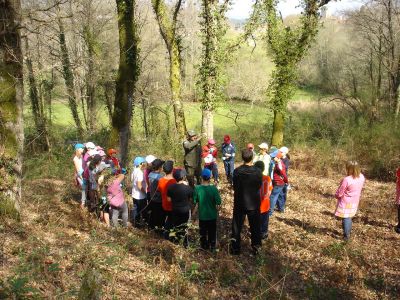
<point x="57" y="247"/>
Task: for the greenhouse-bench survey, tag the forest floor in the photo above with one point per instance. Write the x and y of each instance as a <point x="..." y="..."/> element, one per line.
<point x="57" y="246"/>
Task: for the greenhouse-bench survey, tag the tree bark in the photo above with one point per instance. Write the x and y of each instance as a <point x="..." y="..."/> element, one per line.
<point x="36" y="104"/>
<point x="90" y="80"/>
<point x="278" y="128"/>
<point x="168" y="27"/>
<point x="208" y="123"/>
<point x="128" y="73"/>
<point x="11" y="106"/>
<point x="69" y="78"/>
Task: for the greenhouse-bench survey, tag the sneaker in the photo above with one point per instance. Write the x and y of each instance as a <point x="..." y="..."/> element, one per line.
<point x="255" y="250"/>
<point x="264" y="236"/>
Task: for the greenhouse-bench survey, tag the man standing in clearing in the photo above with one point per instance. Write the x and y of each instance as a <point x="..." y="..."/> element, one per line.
<point x="264" y="157"/>
<point x="247" y="181"/>
<point x="192" y="159"/>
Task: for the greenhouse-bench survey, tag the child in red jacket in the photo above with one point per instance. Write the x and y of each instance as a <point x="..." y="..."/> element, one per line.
<point x="209" y="155"/>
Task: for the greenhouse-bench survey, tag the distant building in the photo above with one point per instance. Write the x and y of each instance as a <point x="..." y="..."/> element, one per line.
<point x="325" y="14"/>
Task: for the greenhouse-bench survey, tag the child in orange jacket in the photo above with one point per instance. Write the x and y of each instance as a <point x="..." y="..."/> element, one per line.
<point x="265" y="193"/>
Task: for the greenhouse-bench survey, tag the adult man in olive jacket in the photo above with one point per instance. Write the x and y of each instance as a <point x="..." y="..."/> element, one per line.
<point x="192" y="159"/>
<point x="247" y="181"/>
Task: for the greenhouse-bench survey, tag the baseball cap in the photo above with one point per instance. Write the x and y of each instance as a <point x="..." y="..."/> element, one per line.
<point x="150" y="158"/>
<point x="227" y="139"/>
<point x="138" y="160"/>
<point x="206" y="174"/>
<point x="79" y="146"/>
<point x="263" y="146"/>
<point x="211" y="142"/>
<point x="284" y="150"/>
<point x="191" y="133"/>
<point x="90" y="145"/>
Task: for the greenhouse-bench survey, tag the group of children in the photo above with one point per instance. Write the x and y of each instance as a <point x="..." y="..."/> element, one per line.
<point x="165" y="196"/>
<point x="162" y="196"/>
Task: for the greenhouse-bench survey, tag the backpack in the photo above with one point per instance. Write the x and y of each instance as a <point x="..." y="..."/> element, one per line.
<point x="155" y="194"/>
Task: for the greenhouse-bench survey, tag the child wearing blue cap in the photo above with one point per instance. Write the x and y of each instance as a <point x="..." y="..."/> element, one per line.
<point x="208" y="199"/>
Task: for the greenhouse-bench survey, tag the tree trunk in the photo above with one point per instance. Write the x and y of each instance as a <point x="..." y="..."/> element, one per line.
<point x="128" y="74"/>
<point x="11" y="108"/>
<point x="37" y="105"/>
<point x="175" y="83"/>
<point x="208" y="123"/>
<point x="90" y="80"/>
<point x="145" y="125"/>
<point x="69" y="78"/>
<point x="397" y="104"/>
<point x="278" y="128"/>
<point x="107" y="87"/>
<point x="168" y="30"/>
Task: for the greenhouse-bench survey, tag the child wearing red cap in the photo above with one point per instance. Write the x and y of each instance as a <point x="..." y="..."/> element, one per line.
<point x="209" y="155"/>
<point x="113" y="161"/>
<point x="228" y="157"/>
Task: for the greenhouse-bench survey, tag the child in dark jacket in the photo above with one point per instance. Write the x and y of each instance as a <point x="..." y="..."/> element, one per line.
<point x="208" y="199"/>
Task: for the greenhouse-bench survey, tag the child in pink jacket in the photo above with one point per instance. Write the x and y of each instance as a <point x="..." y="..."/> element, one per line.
<point x="398" y="199"/>
<point x="348" y="196"/>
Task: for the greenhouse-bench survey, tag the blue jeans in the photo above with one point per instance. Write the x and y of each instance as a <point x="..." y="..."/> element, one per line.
<point x="276" y="191"/>
<point x="282" y="199"/>
<point x="264" y="224"/>
<point x="214" y="170"/>
<point x="347" y="223"/>
<point x="229" y="165"/>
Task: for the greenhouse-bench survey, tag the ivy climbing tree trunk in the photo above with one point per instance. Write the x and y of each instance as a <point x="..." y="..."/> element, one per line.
<point x="68" y="77"/>
<point x="128" y="73"/>
<point x="11" y="107"/>
<point x="168" y="30"/>
<point x="288" y="46"/>
<point x="213" y="29"/>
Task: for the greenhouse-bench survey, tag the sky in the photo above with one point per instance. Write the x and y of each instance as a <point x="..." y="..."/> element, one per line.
<point x="241" y="8"/>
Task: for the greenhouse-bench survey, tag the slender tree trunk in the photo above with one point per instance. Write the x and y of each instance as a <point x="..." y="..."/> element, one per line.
<point x="107" y="87"/>
<point x="168" y="30"/>
<point x="11" y="107"/>
<point x="145" y="125"/>
<point x="128" y="74"/>
<point x="175" y="83"/>
<point x="208" y="123"/>
<point x="37" y="105"/>
<point x="278" y="128"/>
<point x="397" y="104"/>
<point x="90" y="80"/>
<point x="69" y="78"/>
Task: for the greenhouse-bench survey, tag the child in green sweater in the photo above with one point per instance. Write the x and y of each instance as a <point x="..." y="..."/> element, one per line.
<point x="208" y="199"/>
